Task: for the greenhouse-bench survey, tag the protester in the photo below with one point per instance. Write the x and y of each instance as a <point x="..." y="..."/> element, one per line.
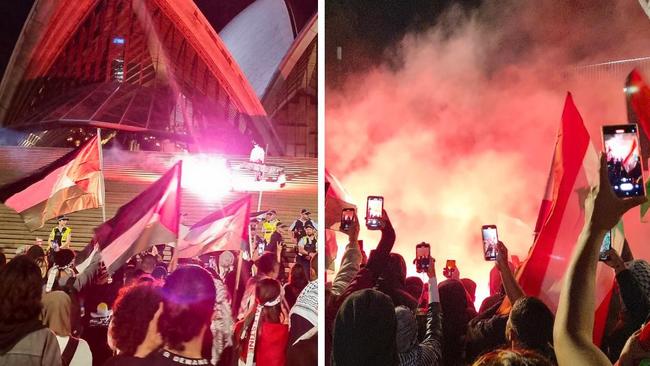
<point x="303" y="327"/>
<point x="276" y="241"/>
<point x="365" y="278"/>
<point x="470" y="287"/>
<point x="56" y="316"/>
<point x="261" y="337"/>
<point x="512" y="358"/>
<point x="133" y="330"/>
<point x="574" y="320"/>
<point x="456" y="314"/>
<point x="187" y="308"/>
<point x="297" y="282"/>
<point x="364" y="330"/>
<point x="429" y="351"/>
<point x="148" y="263"/>
<point x="267" y="267"/>
<point x="24" y="340"/>
<point x="633" y="279"/>
<point x="37" y="254"/>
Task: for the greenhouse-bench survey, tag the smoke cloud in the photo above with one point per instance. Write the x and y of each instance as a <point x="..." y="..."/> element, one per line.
<point x="462" y="132"/>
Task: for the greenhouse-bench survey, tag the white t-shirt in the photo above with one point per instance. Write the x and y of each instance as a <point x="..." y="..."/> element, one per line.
<point x="257" y="154"/>
<point x="82" y="355"/>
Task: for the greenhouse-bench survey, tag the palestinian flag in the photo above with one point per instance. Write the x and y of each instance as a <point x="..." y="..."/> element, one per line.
<point x="71" y="183"/>
<point x="225" y="229"/>
<point x="152" y="217"/>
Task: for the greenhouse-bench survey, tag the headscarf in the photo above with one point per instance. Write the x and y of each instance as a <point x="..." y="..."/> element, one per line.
<point x="364" y="331"/>
<point x="407" y="329"/>
<point x="56" y="312"/>
<point x="253" y="331"/>
<point x="393" y="282"/>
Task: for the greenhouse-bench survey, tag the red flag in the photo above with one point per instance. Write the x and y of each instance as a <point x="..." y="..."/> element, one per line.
<point x="69" y="184"/>
<point x="225" y="229"/>
<point x="639" y="94"/>
<point x="152" y="217"/>
<point x="574" y="170"/>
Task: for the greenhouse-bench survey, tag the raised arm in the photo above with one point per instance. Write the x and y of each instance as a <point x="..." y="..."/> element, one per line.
<point x="510" y="284"/>
<point x="432" y="343"/>
<point x="574" y="321"/>
<point x="351" y="261"/>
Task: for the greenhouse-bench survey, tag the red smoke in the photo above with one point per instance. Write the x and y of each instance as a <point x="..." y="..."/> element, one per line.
<point x="460" y="136"/>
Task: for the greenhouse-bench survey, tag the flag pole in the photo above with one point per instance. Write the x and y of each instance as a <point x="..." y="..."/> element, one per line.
<point x="101" y="169"/>
<point x="173" y="263"/>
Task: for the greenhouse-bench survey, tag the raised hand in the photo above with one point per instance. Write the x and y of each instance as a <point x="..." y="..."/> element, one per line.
<point x="605" y="207"/>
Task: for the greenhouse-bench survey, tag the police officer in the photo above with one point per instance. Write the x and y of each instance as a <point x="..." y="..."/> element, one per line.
<point x="60" y="235"/>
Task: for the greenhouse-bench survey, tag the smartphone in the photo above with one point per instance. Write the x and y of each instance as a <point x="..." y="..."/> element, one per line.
<point x="605" y="246"/>
<point x="449" y="269"/>
<point x="374" y="212"/>
<point x="347" y="218"/>
<point x="624" y="163"/>
<point x="422" y="255"/>
<point x="490" y="240"/>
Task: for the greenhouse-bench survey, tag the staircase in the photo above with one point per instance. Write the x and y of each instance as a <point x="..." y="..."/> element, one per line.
<point x="129" y="173"/>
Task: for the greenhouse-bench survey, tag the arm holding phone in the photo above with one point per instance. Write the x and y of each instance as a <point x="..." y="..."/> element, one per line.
<point x="510" y="284"/>
<point x="432" y="343"/>
<point x="378" y="260"/>
<point x="351" y="261"/>
<point x="574" y="321"/>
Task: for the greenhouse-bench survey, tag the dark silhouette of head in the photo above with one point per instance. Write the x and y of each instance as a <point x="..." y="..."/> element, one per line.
<point x="512" y="357"/>
<point x="134" y="308"/>
<point x="364" y="330"/>
<point x="530" y="324"/>
<point x="268" y="265"/>
<point x="20" y="291"/>
<point x="189" y="296"/>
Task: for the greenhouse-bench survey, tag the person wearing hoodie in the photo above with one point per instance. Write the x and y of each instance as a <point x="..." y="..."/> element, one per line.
<point x="365" y="278"/>
<point x="364" y="331"/>
<point x="56" y="316"/>
<point x="456" y="314"/>
<point x="24" y="340"/>
<point x="429" y="351"/>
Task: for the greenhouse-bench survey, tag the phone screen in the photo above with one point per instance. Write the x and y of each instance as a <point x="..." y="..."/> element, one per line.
<point x="605" y="246"/>
<point x="621" y="143"/>
<point x="347" y="217"/>
<point x="422" y="254"/>
<point x="490" y="240"/>
<point x="374" y="212"/>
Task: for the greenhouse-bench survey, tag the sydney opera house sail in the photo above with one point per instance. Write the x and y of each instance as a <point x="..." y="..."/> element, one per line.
<point x="159" y="69"/>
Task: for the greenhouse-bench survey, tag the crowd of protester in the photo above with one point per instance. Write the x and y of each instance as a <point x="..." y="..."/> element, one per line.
<point x="58" y="310"/>
<point x="376" y="315"/>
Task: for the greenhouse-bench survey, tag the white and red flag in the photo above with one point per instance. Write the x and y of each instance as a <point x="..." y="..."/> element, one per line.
<point x="152" y="217"/>
<point x="225" y="229"/>
<point x="574" y="170"/>
<point x="71" y="183"/>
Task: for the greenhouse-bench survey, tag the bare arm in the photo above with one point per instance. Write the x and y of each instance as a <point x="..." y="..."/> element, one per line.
<point x="510" y="284"/>
<point x="574" y="321"/>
